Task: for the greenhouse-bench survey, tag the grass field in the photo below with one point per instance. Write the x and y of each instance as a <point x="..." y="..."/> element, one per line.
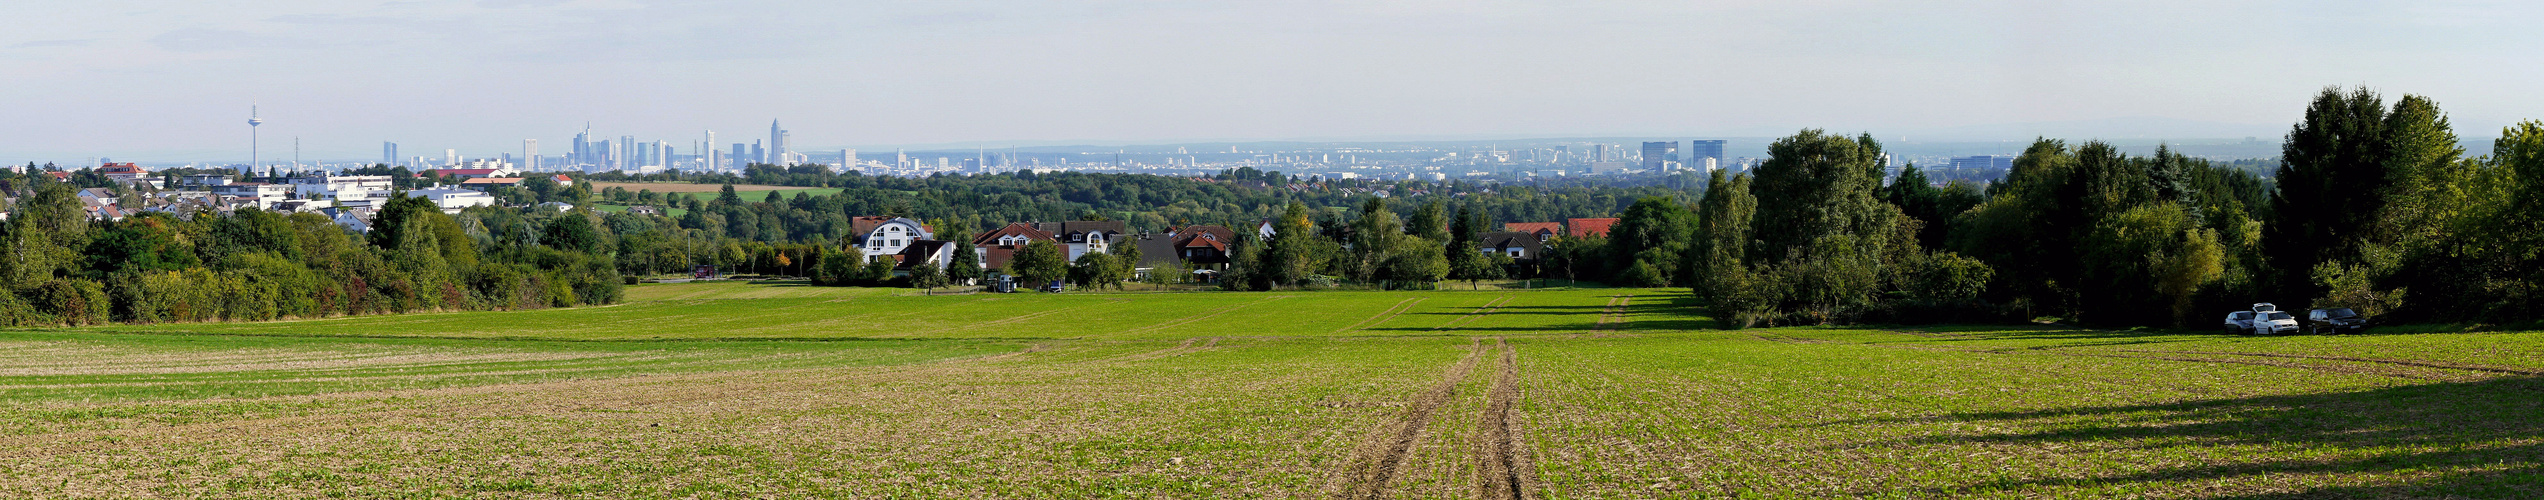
<point x="729" y="390"/>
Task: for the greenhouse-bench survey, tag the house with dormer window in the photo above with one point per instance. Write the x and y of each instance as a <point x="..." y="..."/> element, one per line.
<point x="884" y="235"/>
<point x="1082" y="236"/>
<point x="994" y="248"/>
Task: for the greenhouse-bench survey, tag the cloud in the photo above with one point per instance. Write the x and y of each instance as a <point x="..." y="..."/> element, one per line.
<point x="53" y="43"/>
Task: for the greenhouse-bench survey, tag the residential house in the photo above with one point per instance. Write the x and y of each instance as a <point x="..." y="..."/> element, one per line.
<point x="204" y="180"/>
<point x="471" y="173"/>
<point x="886" y="235"/>
<point x="344" y="188"/>
<point x="356" y="220"/>
<point x="1203" y="246"/>
<point x="937" y="253"/>
<point x="1084" y="236"/>
<point x="489" y="184"/>
<point x="1154" y="249"/>
<point x="264" y="195"/>
<point x="1521" y="247"/>
<point x="1581" y="228"/>
<point x="127" y="174"/>
<point x="1542" y="230"/>
<point x="452" y="200"/>
<point x="994" y="248"/>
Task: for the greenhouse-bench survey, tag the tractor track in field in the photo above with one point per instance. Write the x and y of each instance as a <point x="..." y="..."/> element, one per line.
<point x="1197" y="318"/>
<point x="1377" y="461"/>
<point x="1504" y="470"/>
<point x="1611" y="318"/>
<point x="1480" y="312"/>
<point x="1391" y="313"/>
<point x="1188" y="347"/>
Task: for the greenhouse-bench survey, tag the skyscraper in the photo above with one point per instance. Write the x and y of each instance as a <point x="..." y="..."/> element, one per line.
<point x="1698" y="151"/>
<point x="741" y="153"/>
<point x="529" y="155"/>
<point x="388" y="153"/>
<point x="582" y="153"/>
<point x="710" y="149"/>
<point x="847" y="159"/>
<point x="1660" y="155"/>
<point x="627" y="154"/>
<point x="760" y="152"/>
<point x="776" y="145"/>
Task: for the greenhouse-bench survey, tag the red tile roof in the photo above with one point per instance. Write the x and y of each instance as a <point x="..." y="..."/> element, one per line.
<point x="1546" y="228"/>
<point x="1589" y="227"/>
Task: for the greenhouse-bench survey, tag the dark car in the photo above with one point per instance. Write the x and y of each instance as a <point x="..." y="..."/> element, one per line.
<point x="2335" y="320"/>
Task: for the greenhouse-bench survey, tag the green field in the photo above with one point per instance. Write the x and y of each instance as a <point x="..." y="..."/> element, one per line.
<point x="730" y="390"/>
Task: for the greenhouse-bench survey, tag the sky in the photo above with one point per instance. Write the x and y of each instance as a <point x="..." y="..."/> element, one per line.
<point x="174" y="80"/>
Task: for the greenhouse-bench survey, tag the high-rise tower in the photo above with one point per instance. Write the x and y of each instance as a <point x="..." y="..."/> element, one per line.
<point x="252" y="122"/>
<point x="529" y="155"/>
<point x="388" y="153"/>
<point x="777" y="151"/>
<point x="582" y="153"/>
<point x="1705" y="154"/>
<point x="1660" y="156"/>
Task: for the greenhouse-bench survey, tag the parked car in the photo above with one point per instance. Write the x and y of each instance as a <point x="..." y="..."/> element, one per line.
<point x="2335" y="320"/>
<point x="2259" y="322"/>
<point x="2239" y="322"/>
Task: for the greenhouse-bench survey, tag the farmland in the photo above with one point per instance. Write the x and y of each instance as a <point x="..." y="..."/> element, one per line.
<point x="740" y="390"/>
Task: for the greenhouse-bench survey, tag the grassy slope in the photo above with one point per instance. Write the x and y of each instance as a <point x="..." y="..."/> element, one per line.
<point x="681" y="392"/>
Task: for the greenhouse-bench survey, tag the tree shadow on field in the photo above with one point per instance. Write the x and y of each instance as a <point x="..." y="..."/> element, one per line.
<point x="2482" y="439"/>
<point x="1656" y="312"/>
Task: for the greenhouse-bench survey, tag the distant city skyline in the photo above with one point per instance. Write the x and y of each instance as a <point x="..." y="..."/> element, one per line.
<point x="155" y="82"/>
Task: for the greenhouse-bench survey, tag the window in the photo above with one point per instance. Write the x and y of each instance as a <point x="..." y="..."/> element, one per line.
<point x="1515" y="252"/>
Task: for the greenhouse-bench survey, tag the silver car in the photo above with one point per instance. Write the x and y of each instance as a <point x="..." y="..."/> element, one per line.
<point x="2262" y="323"/>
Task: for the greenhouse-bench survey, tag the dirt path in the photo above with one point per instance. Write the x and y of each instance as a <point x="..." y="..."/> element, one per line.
<point x="1503" y="471"/>
<point x="1376" y="461"/>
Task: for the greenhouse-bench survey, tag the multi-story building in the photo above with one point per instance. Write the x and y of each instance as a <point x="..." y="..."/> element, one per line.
<point x="1700" y="151"/>
<point x="1660" y="156"/>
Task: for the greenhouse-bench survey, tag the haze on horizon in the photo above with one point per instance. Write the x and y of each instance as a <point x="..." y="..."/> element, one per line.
<point x="173" y="80"/>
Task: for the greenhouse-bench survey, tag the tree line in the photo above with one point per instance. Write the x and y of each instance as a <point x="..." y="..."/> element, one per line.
<point x="59" y="266"/>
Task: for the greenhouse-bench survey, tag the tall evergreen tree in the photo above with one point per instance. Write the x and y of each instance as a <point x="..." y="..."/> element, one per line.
<point x="2331" y="179"/>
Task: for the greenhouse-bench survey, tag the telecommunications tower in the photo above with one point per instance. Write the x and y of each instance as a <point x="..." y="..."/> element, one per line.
<point x="252" y="122"/>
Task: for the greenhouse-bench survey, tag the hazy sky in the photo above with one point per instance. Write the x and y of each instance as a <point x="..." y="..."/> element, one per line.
<point x="172" y="80"/>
